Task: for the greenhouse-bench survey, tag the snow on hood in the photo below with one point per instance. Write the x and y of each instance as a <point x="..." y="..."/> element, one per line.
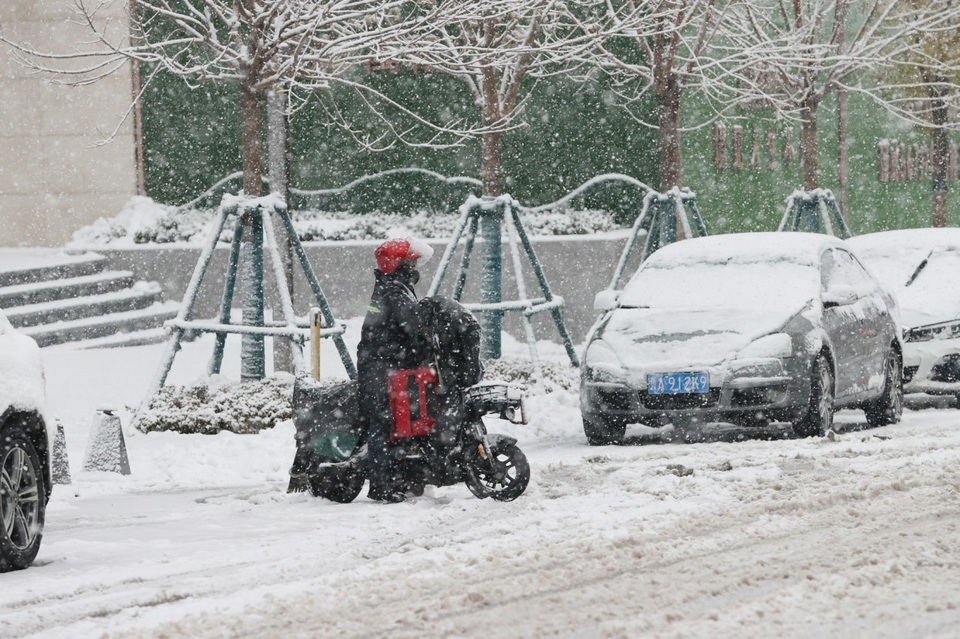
<point x="894" y="257"/>
<point x="666" y="340"/>
<point x="696" y="303"/>
<point x="21" y="371"/>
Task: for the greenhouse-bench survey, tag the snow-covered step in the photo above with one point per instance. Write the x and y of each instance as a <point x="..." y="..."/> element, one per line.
<point x="137" y="297"/>
<point x="118" y="340"/>
<point x="94" y="327"/>
<point x="40" y="292"/>
<point x="56" y="267"/>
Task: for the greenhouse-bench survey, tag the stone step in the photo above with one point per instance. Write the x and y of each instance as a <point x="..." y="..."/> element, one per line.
<point x="119" y="340"/>
<point x="131" y="299"/>
<point x="40" y="292"/>
<point x="95" y="327"/>
<point x="54" y="267"/>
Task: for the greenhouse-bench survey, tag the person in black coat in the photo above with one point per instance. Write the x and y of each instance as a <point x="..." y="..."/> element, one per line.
<point x="394" y="337"/>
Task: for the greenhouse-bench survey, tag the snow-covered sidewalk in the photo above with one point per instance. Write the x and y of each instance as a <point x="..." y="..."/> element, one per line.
<point x="854" y="535"/>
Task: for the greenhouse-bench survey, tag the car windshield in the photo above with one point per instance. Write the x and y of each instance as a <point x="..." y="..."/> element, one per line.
<point x="935" y="288"/>
<point x="735" y="282"/>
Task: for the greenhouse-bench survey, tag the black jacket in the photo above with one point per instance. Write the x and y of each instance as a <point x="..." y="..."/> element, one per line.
<point x="395" y="334"/>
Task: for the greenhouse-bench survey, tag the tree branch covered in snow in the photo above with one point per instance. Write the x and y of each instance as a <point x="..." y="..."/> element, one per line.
<point x="496" y="48"/>
<point x="816" y="47"/>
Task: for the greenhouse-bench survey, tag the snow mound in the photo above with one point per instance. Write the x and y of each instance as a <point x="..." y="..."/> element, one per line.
<point x="557" y="376"/>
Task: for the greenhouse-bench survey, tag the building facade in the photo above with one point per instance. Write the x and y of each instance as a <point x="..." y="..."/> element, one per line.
<point x="61" y="165"/>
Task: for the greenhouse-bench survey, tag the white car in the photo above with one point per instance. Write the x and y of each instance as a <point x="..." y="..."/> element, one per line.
<point x="25" y="449"/>
<point x="922" y="268"/>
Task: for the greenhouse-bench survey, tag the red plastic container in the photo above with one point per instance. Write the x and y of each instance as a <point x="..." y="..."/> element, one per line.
<point x="414" y="404"/>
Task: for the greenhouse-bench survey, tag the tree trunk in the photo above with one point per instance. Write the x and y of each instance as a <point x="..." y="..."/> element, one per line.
<point x="843" y="160"/>
<point x="808" y="143"/>
<point x="250" y="138"/>
<point x="490" y="164"/>
<point x="278" y="153"/>
<point x="940" y="154"/>
<point x="668" y="121"/>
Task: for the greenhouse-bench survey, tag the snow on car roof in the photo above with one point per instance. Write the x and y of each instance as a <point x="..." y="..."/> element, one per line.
<point x="743" y="270"/>
<point x="800" y="248"/>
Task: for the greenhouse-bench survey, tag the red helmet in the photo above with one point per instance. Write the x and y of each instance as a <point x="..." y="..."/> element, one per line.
<point x="392" y="253"/>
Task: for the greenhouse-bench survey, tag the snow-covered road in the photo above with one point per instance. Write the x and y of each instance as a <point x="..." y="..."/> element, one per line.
<point x="854" y="535"/>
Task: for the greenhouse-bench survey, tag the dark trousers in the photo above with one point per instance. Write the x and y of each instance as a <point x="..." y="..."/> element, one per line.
<point x="375" y="411"/>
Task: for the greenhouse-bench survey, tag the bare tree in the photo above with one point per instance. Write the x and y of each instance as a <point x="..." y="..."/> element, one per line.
<point x="304" y="45"/>
<point x="813" y="48"/>
<point x="498" y="48"/>
<point x="928" y="84"/>
<point x="677" y="46"/>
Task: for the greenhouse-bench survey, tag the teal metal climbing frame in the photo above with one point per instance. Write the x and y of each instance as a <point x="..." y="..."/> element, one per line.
<point x="814" y="211"/>
<point x="253" y="231"/>
<point x="662" y="214"/>
<point x="489" y="216"/>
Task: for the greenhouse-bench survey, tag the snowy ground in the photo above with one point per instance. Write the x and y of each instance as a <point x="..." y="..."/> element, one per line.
<point x="855" y="535"/>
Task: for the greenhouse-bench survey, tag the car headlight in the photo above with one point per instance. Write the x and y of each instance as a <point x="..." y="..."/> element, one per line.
<point x="602" y="364"/>
<point x="773" y="346"/>
<point x="941" y="330"/>
<point x="757" y="368"/>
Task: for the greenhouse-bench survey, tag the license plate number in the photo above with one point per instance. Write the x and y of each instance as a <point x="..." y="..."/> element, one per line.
<point x="678" y="383"/>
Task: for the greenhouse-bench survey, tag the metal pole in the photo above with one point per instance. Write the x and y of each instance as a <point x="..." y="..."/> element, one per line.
<point x="465" y="259"/>
<point x="318" y="293"/>
<point x="315" y="342"/>
<point x="637" y="225"/>
<point x="491" y="277"/>
<point x="451" y="247"/>
<point x="216" y="360"/>
<point x="186" y="311"/>
<point x="547" y="293"/>
<point x="522" y="294"/>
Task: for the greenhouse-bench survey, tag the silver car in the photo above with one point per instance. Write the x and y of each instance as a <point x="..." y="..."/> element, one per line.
<point x="746" y="329"/>
<point x="922" y="267"/>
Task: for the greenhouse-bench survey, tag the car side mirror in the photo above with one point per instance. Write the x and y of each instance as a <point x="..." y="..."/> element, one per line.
<point x="840" y="296"/>
<point x="606" y="300"/>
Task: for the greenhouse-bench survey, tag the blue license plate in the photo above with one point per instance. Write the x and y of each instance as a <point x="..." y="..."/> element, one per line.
<point x="678" y="383"/>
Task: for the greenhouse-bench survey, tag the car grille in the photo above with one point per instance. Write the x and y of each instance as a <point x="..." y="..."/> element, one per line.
<point x="947" y="369"/>
<point x="759" y="396"/>
<point x="614" y="400"/>
<point x="682" y="401"/>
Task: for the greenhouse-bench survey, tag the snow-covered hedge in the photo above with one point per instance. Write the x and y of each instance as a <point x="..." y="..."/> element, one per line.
<point x="556" y="375"/>
<point x="215" y="405"/>
<point x="143" y="221"/>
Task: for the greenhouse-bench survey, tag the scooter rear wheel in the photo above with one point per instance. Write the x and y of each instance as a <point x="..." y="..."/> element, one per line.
<point x="504" y="478"/>
<point x="342" y="485"/>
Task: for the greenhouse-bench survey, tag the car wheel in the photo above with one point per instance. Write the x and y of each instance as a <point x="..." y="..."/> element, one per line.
<point x="889" y="408"/>
<point x="22" y="501"/>
<point x="601" y="430"/>
<point x="819" y="417"/>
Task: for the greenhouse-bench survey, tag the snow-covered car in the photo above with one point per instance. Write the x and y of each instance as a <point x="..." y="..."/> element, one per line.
<point x="745" y="329"/>
<point x="25" y="449"/>
<point x="922" y="267"/>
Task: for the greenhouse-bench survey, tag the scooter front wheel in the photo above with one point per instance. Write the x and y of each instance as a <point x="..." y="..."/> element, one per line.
<point x="503" y="477"/>
<point x="337" y="484"/>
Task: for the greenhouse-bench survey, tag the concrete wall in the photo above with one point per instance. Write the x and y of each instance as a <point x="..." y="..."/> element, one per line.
<point x="53" y="179"/>
<point x="576" y="269"/>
